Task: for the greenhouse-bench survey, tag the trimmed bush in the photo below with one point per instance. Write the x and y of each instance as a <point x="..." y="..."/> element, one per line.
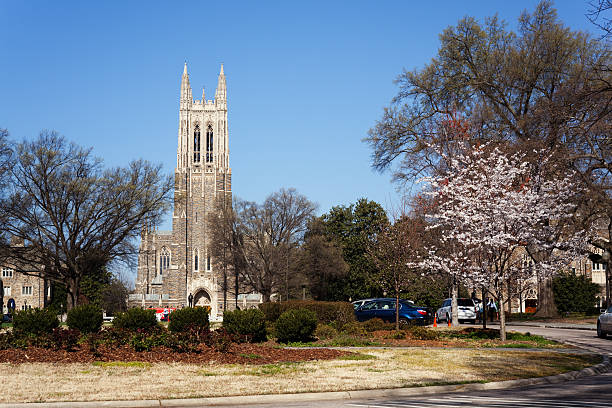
<point x="296" y="325"/>
<point x="325" y="332"/>
<point x="189" y="317"/>
<point x="85" y="318"/>
<point x="354" y="329"/>
<point x="250" y="324"/>
<point x="135" y="318"/>
<point x="375" y="324"/>
<point x="422" y="333"/>
<point x="339" y="313"/>
<point x="35" y="321"/>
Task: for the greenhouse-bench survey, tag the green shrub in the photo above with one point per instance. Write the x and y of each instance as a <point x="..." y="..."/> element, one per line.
<point x="574" y="293"/>
<point x="35" y="321"/>
<point x="375" y="324"/>
<point x="135" y="318"/>
<point x="354" y="329"/>
<point x="183" y="319"/>
<point x="85" y="318"/>
<point x="325" y="331"/>
<point x="339" y="313"/>
<point x="249" y="323"/>
<point x="296" y="325"/>
<point x="422" y="333"/>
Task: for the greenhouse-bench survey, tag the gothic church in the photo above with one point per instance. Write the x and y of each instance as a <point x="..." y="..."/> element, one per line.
<point x="172" y="265"/>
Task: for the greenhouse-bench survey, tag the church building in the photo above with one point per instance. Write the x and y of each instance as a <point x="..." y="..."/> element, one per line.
<point x="176" y="266"/>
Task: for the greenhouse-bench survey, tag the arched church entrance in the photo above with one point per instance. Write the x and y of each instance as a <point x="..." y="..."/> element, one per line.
<point x="201" y="298"/>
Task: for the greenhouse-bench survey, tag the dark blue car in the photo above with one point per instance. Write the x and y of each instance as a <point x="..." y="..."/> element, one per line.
<point x="385" y="309"/>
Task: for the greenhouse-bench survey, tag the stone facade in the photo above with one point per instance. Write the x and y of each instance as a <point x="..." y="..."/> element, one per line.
<point x="174" y="264"/>
<point x="26" y="290"/>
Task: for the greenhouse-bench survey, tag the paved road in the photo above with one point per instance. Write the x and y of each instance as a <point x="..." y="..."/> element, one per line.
<point x="595" y="391"/>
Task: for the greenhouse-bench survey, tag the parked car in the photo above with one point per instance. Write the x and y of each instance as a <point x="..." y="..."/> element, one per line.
<point x="7" y="318"/>
<point x="384" y="309"/>
<point x="360" y="302"/>
<point x="604" y="323"/>
<point x="467" y="310"/>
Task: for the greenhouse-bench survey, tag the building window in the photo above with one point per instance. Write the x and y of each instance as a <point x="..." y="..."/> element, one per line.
<point x="7" y="273"/>
<point x="196" y="144"/>
<point x="195" y="260"/>
<point x="26" y="307"/>
<point x="164" y="260"/>
<point x="26" y="290"/>
<point x="209" y="144"/>
<point x="598" y="266"/>
<point x="208" y="263"/>
<point x="7" y="291"/>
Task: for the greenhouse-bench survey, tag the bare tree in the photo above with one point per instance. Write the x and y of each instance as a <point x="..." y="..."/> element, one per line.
<point x="71" y="216"/>
<point x="262" y="237"/>
<point x="598" y="14"/>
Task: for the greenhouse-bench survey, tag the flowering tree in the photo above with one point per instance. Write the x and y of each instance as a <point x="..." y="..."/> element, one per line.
<point x="494" y="207"/>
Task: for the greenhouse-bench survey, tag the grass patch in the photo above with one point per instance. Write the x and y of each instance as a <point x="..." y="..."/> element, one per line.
<point x="539" y="340"/>
<point x="251" y="356"/>
<point x="108" y="364"/>
<point x="358" y="356"/>
<point x="205" y="373"/>
<point x="350" y="341"/>
<point x="391" y="368"/>
<point x="300" y="344"/>
<point x="273" y="369"/>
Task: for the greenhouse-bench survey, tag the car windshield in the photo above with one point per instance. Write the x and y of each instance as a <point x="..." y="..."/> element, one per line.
<point x="465" y="302"/>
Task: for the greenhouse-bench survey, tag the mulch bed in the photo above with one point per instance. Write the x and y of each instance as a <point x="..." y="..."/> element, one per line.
<point x="237" y="354"/>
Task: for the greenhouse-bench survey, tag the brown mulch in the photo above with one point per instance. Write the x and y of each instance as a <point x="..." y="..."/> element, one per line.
<point x="237" y="354"/>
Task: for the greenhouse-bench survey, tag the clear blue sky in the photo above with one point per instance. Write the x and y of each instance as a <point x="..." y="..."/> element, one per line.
<point x="306" y="80"/>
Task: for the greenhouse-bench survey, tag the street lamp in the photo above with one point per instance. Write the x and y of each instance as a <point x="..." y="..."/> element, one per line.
<point x="606" y="258"/>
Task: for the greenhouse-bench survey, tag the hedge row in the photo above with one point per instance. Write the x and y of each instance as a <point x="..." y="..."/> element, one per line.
<point x="327" y="312"/>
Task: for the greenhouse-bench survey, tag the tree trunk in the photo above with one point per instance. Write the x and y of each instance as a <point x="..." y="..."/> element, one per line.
<point x="72" y="293"/>
<point x="546" y="300"/>
<point x="502" y="317"/>
<point x="454" y="307"/>
<point x="397" y="306"/>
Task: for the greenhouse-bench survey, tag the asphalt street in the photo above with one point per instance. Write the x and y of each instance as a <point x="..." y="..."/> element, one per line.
<point x="593" y="391"/>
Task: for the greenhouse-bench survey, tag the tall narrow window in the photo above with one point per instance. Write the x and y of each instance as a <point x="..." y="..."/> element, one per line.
<point x="208" y="263"/>
<point x="209" y="144"/>
<point x="196" y="144"/>
<point x="195" y="261"/>
<point x="164" y="260"/>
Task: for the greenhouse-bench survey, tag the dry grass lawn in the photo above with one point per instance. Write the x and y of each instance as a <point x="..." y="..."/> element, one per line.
<point x="372" y="368"/>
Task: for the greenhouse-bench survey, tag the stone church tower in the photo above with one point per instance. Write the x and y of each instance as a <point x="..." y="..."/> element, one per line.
<point x="175" y="264"/>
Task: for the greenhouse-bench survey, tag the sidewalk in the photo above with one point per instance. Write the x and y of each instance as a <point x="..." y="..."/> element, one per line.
<point x="551" y="325"/>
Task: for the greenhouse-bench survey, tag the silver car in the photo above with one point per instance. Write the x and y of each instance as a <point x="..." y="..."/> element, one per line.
<point x="604" y="323"/>
<point x="466" y="312"/>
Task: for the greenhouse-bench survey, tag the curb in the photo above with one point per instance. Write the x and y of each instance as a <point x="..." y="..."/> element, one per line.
<point x="600" y="368"/>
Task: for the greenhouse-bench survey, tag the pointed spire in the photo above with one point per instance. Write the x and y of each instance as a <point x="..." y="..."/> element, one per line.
<point x="203" y="95"/>
<point x="185" y="88"/>
<point x="221" y="93"/>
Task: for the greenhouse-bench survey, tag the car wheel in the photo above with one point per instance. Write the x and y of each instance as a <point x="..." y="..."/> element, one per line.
<point x="600" y="333"/>
<point x="403" y="322"/>
<point x="448" y="318"/>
